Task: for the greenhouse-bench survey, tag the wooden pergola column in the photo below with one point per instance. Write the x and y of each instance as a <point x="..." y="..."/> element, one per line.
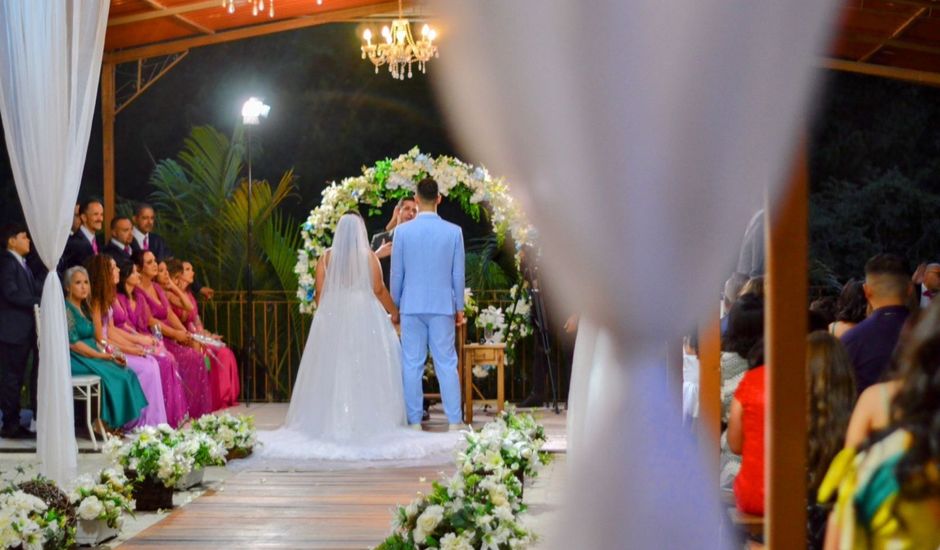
<point x="107" y="138"/>
<point x="785" y="328"/>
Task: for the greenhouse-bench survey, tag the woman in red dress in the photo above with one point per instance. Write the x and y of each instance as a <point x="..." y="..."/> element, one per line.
<point x="746" y="434"/>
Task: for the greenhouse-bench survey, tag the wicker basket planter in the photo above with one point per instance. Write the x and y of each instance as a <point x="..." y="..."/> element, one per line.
<point x="237" y="453"/>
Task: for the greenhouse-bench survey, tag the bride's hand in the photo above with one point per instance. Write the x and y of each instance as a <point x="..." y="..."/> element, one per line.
<point x="396" y="318"/>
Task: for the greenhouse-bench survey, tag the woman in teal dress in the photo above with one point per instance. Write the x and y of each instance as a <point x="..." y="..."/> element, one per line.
<point x="122" y="396"/>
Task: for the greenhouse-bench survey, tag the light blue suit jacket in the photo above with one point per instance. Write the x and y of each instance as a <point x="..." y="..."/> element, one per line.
<point x="428" y="267"/>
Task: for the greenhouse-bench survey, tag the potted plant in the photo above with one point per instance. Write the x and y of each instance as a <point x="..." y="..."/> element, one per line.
<point x="202" y="451"/>
<point x="236" y="433"/>
<point x="36" y="514"/>
<point x="154" y="458"/>
<point x="101" y="502"/>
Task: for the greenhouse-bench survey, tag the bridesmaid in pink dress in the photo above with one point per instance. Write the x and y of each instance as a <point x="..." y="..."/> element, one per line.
<point x="192" y="365"/>
<point x="129" y="314"/>
<point x="223" y="376"/>
<point x="103" y="275"/>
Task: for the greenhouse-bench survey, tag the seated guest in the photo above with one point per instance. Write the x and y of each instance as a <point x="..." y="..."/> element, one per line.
<point x="178" y="341"/>
<point x="119" y="247"/>
<point x="122" y="397"/>
<point x="20" y="292"/>
<point x="729" y="296"/>
<point x="223" y="376"/>
<point x="103" y="272"/>
<point x="755" y="286"/>
<point x="871" y="342"/>
<point x="831" y="395"/>
<point x="128" y="315"/>
<point x="851" y="308"/>
<point x="887" y="492"/>
<point x="745" y="329"/>
<point x="84" y="243"/>
<point x="872" y="412"/>
<point x="746" y="434"/>
<point x="926" y="281"/>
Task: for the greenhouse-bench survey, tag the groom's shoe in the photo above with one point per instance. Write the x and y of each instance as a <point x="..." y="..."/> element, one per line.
<point x="416" y="427"/>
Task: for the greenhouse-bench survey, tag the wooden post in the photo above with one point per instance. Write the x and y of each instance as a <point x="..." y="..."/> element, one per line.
<point x="786" y="230"/>
<point x="107" y="148"/>
<point x="709" y="357"/>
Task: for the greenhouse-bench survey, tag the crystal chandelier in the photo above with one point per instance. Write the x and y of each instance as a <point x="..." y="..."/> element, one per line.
<point x="257" y="6"/>
<point x="400" y="50"/>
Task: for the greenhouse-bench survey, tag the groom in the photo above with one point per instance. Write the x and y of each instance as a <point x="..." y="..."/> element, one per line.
<point x="427" y="286"/>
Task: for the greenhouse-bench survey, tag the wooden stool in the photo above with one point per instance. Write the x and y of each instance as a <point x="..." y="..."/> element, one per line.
<point x="482" y="354"/>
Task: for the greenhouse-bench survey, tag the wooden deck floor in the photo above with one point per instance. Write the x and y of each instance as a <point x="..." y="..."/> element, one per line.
<point x="342" y="509"/>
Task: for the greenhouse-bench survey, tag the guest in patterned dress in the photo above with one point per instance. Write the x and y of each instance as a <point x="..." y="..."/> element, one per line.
<point x="104" y="274"/>
<point x="122" y="397"/>
<point x="223" y="376"/>
<point x="192" y="365"/>
<point x="129" y="315"/>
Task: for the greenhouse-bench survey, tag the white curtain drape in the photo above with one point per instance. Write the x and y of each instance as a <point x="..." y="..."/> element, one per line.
<point x="639" y="135"/>
<point x="50" y="62"/>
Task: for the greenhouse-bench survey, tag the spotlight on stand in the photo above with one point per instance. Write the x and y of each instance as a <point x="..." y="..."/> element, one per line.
<point x="252" y="112"/>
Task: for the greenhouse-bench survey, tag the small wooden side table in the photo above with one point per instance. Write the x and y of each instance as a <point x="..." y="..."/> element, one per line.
<point x="482" y="354"/>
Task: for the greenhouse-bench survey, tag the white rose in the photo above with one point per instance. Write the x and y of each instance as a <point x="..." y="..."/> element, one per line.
<point x="90" y="508"/>
<point x="427" y="521"/>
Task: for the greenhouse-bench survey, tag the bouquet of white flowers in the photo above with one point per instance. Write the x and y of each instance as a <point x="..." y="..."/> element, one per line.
<point x="479" y="506"/>
<point x="107" y="496"/>
<point x="164" y="454"/>
<point x="27" y="522"/>
<point x="235" y="433"/>
<point x="493" y="322"/>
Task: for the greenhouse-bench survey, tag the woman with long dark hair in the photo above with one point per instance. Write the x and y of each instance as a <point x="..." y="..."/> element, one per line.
<point x="128" y="315"/>
<point x="831" y="391"/>
<point x="889" y="489"/>
<point x="103" y="275"/>
<point x="851" y="308"/>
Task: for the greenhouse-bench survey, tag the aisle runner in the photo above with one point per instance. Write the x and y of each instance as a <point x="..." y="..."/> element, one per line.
<point x="348" y="509"/>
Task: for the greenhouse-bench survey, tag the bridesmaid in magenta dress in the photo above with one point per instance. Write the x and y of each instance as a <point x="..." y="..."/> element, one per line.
<point x="103" y="275"/>
<point x="223" y="376"/>
<point x="192" y="366"/>
<point x="129" y="314"/>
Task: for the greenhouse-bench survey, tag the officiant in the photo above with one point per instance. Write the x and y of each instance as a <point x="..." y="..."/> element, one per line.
<point x="405" y="211"/>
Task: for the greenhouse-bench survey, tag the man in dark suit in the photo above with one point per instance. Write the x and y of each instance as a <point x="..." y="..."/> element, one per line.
<point x="406" y="211"/>
<point x="20" y="291"/>
<point x="85" y="242"/>
<point x="119" y="247"/>
<point x="145" y="239"/>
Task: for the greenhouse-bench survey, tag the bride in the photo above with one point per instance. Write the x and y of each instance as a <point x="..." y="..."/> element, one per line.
<point x="348" y="403"/>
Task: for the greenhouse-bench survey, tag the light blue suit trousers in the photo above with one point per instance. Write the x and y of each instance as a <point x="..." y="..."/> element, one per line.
<point x="418" y="332"/>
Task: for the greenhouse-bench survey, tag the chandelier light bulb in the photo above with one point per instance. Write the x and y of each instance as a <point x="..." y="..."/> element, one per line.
<point x="425" y="30"/>
<point x="432" y="34"/>
<point x="231" y="7"/>
<point x="367" y="36"/>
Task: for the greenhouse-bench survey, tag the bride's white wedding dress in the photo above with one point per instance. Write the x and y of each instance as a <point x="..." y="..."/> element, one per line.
<point x="347" y="404"/>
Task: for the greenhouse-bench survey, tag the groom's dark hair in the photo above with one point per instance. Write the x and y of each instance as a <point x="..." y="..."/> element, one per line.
<point x="427" y="190"/>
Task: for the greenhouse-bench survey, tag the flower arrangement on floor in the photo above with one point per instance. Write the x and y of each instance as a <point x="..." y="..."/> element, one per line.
<point x="106" y="496"/>
<point x="27" y="520"/>
<point x="470" y="186"/>
<point x="479" y="505"/>
<point x="236" y="434"/>
<point x="164" y="454"/>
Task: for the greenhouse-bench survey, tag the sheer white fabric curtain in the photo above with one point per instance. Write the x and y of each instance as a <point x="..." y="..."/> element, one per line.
<point x="50" y="62"/>
<point x="639" y="136"/>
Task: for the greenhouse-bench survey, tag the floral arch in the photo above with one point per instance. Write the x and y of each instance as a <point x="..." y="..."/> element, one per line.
<point x="389" y="180"/>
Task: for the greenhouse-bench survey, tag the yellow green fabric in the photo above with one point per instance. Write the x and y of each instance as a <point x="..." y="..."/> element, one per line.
<point x="868" y="512"/>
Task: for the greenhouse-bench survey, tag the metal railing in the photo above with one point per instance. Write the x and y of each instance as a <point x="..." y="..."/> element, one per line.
<point x="281" y="334"/>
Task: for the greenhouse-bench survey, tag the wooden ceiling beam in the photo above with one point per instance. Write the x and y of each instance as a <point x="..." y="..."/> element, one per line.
<point x="181" y="18"/>
<point x="897" y="32"/>
<point x="165" y="12"/>
<point x="927" y="78"/>
<point x="174" y="46"/>
<point x="893" y="44"/>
